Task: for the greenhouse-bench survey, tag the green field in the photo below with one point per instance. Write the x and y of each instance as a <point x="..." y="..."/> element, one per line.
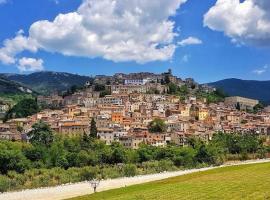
<point x="237" y="182"/>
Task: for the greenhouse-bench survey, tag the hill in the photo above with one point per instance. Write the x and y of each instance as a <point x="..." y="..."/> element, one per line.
<point x="47" y="82"/>
<point x="12" y="92"/>
<point x="11" y="87"/>
<point x="237" y="182"/>
<point x="246" y="88"/>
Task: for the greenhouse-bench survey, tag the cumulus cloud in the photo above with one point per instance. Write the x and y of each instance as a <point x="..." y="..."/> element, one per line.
<point x="246" y="22"/>
<point x="30" y="64"/>
<point x="190" y="41"/>
<point x="11" y="47"/>
<point x="117" y="30"/>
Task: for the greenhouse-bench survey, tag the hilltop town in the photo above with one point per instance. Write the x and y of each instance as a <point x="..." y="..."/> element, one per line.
<point x="123" y="107"/>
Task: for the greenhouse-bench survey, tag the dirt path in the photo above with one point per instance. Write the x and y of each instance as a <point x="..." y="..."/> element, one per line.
<point x="80" y="189"/>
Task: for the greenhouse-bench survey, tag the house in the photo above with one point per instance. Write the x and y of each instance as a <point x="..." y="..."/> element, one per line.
<point x="243" y="103"/>
<point x="73" y="127"/>
<point x="106" y="135"/>
<point x="131" y="142"/>
<point x="203" y="114"/>
<point x="117" y="117"/>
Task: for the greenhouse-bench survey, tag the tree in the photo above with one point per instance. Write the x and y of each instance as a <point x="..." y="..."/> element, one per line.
<point x="172" y="88"/>
<point x="183" y="90"/>
<point x="93" y="129"/>
<point x="118" y="154"/>
<point x="238" y="107"/>
<point x="259" y="107"/>
<point x="12" y="158"/>
<point x="24" y="108"/>
<point x="99" y="87"/>
<point x="157" y="126"/>
<point x="41" y="134"/>
<point x="167" y="79"/>
<point x="58" y="155"/>
<point x="219" y="92"/>
<point x="104" y="93"/>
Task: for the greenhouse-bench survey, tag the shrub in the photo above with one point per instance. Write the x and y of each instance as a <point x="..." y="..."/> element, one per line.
<point x="4" y="184"/>
<point x="88" y="173"/>
<point x="130" y="170"/>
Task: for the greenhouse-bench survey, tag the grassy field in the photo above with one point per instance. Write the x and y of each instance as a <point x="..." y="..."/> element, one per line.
<point x="237" y="182"/>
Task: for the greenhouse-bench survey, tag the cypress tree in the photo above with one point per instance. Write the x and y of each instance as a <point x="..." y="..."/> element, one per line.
<point x="93" y="129"/>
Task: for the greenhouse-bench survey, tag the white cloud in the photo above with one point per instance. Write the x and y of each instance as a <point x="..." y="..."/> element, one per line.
<point x="185" y="58"/>
<point x="261" y="70"/>
<point x="246" y="22"/>
<point x="117" y="30"/>
<point x="30" y="64"/>
<point x="12" y="47"/>
<point x="190" y="41"/>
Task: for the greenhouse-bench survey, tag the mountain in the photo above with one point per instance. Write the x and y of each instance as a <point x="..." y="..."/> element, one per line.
<point x="46" y="82"/>
<point x="10" y="87"/>
<point x="246" y="88"/>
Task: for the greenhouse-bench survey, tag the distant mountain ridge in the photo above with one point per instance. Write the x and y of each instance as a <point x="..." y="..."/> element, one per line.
<point x="246" y="88"/>
<point x="46" y="82"/>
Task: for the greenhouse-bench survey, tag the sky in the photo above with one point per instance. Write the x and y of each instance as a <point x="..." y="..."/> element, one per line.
<point x="207" y="40"/>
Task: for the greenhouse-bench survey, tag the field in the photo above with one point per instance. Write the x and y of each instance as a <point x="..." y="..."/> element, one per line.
<point x="237" y="182"/>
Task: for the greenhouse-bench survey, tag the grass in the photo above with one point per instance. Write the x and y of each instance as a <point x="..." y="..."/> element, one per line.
<point x="237" y="182"/>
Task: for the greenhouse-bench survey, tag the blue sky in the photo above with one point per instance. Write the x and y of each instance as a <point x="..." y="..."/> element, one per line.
<point x="217" y="57"/>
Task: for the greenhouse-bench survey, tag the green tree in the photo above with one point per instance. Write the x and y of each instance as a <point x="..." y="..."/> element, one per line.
<point x="24" y="108"/>
<point x="238" y="107"/>
<point x="104" y="93"/>
<point x="93" y="129"/>
<point x="118" y="154"/>
<point x="157" y="126"/>
<point x="167" y="79"/>
<point x="99" y="87"/>
<point x="57" y="154"/>
<point x="12" y="158"/>
<point x="41" y="133"/>
<point x="220" y="93"/>
<point x="259" y="107"/>
<point x="173" y="88"/>
<point x="183" y="90"/>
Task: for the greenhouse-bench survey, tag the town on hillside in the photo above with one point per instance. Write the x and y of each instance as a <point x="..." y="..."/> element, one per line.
<point x="136" y="108"/>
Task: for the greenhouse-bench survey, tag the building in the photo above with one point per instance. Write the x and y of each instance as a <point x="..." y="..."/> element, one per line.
<point x="131" y="142"/>
<point x="117" y="117"/>
<point x="203" y="114"/>
<point x="110" y="100"/>
<point x="136" y="81"/>
<point x="106" y="135"/>
<point x="243" y="103"/>
<point x="3" y="109"/>
<point x="128" y="89"/>
<point x="73" y="128"/>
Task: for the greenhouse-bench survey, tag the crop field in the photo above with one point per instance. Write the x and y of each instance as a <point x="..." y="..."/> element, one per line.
<point x="237" y="182"/>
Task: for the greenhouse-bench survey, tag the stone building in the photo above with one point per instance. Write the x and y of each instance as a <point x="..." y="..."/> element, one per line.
<point x="243" y="103"/>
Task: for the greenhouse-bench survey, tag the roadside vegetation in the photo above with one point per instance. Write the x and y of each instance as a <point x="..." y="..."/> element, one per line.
<point x="237" y="182"/>
<point x="50" y="159"/>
